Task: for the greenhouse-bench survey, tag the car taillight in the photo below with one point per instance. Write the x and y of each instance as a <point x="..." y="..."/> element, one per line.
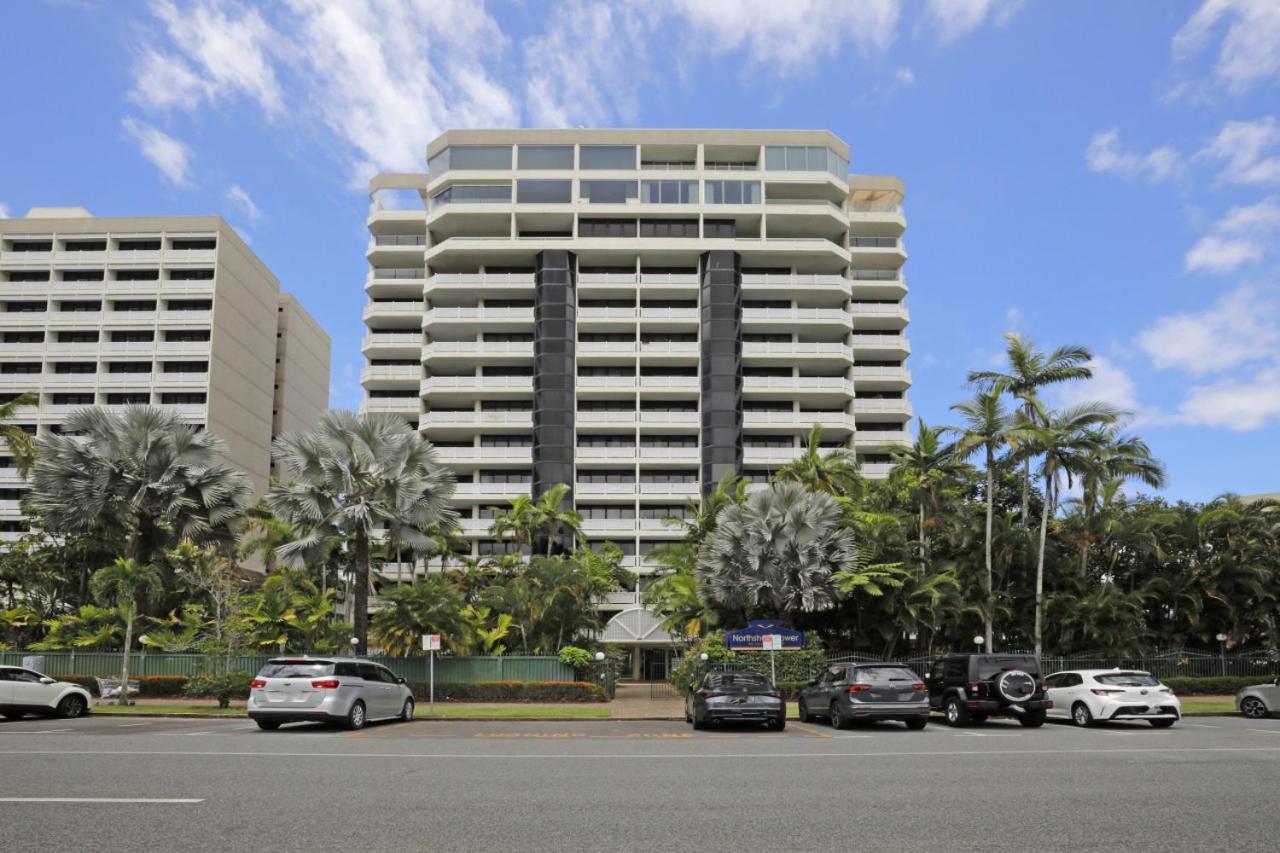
<point x="1101" y="692"/>
<point x="858" y="688"/>
<point x="326" y="684"/>
<point x="258" y="682"/>
<point x="919" y="685"/>
<point x="975" y="688"/>
<point x="1042" y="685"/>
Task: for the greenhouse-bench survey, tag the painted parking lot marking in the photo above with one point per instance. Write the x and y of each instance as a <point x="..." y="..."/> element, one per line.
<point x="129" y="725"/>
<point x="107" y="800"/>
<point x="1267" y="731"/>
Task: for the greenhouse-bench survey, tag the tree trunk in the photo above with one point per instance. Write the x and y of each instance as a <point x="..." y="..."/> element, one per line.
<point x="360" y="615"/>
<point x="989" y="602"/>
<point x="1044" y="526"/>
<point x="923" y="550"/>
<point x="124" y="659"/>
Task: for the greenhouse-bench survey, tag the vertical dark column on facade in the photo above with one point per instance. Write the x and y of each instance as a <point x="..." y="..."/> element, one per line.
<point x="720" y="335"/>
<point x="554" y="324"/>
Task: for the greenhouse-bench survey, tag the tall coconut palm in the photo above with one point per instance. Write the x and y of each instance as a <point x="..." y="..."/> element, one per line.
<point x="1029" y="371"/>
<point x="519" y="521"/>
<point x="142" y="471"/>
<point x="21" y="447"/>
<point x="1063" y="442"/>
<point x="986" y="429"/>
<point x="552" y="521"/>
<point x="122" y="585"/>
<point x="355" y="474"/>
<point x="834" y="472"/>
<point x="1119" y="457"/>
<point x="776" y="553"/>
<point x="927" y="465"/>
<point x="700" y="514"/>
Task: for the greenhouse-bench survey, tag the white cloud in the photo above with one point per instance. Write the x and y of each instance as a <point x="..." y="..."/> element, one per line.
<point x="1248" y="148"/>
<point x="1241" y="327"/>
<point x="1250" y="50"/>
<point x="1013" y="319"/>
<point x="1105" y="154"/>
<point x="1239" y="405"/>
<point x="955" y="18"/>
<point x="221" y="49"/>
<point x="1240" y="237"/>
<point x="167" y="154"/>
<point x="905" y="76"/>
<point x="237" y="195"/>
<point x="1110" y="384"/>
<point x="4" y="211"/>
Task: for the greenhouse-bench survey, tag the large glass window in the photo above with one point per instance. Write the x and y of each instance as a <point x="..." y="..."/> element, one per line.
<point x="606" y="228"/>
<point x="470" y="157"/>
<point x="545" y="156"/>
<point x="544" y="192"/>
<point x="669" y="192"/>
<point x="804" y="158"/>
<point x="733" y="192"/>
<point x="607" y="157"/>
<point x="473" y="194"/>
<point x="607" y="192"/>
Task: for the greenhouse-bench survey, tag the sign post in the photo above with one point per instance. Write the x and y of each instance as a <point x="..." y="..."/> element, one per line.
<point x="772" y="642"/>
<point x="430" y="644"/>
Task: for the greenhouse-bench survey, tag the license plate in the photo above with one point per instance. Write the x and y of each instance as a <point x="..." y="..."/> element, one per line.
<point x="905" y="697"/>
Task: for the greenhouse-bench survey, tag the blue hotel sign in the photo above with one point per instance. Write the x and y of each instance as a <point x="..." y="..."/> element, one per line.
<point x="750" y="637"/>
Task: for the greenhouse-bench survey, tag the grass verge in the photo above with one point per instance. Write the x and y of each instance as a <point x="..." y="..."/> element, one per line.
<point x="202" y="710"/>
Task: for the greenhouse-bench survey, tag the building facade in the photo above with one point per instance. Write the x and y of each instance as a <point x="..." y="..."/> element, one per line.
<point x="636" y="313"/>
<point x="170" y="311"/>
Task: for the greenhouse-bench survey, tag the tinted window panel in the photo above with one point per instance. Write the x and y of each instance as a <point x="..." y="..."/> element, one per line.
<point x="545" y="156"/>
<point x="607" y="157"/>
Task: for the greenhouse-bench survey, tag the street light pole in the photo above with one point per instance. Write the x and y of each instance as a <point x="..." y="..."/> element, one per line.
<point x="1222" y="652"/>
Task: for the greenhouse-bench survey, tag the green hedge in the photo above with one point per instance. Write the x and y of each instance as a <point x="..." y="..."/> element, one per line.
<point x="149" y="686"/>
<point x="513" y="691"/>
<point x="1216" y="686"/>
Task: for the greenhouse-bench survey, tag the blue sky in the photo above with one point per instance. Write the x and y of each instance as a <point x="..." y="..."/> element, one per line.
<point x="1098" y="173"/>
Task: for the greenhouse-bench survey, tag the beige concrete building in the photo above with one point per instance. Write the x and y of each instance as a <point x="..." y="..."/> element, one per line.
<point x="174" y="311"/>
<point x="635" y="313"/>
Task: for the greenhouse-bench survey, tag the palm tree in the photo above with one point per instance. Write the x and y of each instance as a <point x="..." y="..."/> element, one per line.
<point x="834" y="472"/>
<point x="700" y="514"/>
<point x="122" y="584"/>
<point x="776" y="552"/>
<point x="354" y="474"/>
<point x="986" y="428"/>
<point x="1063" y="441"/>
<point x="1029" y="371"/>
<point x="432" y="606"/>
<point x="1119" y="457"/>
<point x="142" y="471"/>
<point x="551" y="518"/>
<point x="520" y="521"/>
<point x="20" y="444"/>
<point x="926" y="465"/>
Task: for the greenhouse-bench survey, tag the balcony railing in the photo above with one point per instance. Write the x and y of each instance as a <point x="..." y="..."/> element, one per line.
<point x="432" y="384"/>
<point x="515" y="279"/>
<point x="897" y="343"/>
<point x="478" y="349"/>
<point x="877" y="243"/>
<point x="801" y="280"/>
<point x="822" y="384"/>
<point x="437" y="418"/>
<point x="871" y="406"/>
<point x="802" y="348"/>
<point x="392" y="240"/>
<point x="791" y="315"/>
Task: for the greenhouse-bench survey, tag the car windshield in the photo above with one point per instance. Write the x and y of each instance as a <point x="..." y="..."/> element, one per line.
<point x="737" y="681"/>
<point x="886" y="674"/>
<point x="296" y="669"/>
<point x="989" y="667"/>
<point x="1128" y="679"/>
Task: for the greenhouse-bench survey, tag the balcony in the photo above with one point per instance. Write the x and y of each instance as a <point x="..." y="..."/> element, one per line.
<point x="475" y="315"/>
<point x="393" y="344"/>
<point x="673" y="419"/>
<point x="596" y="417"/>
<point x="470" y="282"/>
<point x="477" y="384"/>
<point x="497" y="492"/>
<point x="881" y="407"/>
<point x="801" y="420"/>
<point x="669" y="315"/>
<point x="659" y="384"/>
<point x="391" y="405"/>
<point x="670" y="349"/>
<point x="606" y="454"/>
<point x="589" y="314"/>
<point x="201" y="317"/>
<point x="771" y="456"/>
<point x="877" y="375"/>
<point x="473" y="350"/>
<point x="882" y="438"/>
<point x="876" y="470"/>
<point x="798" y="384"/>
<point x="390" y="374"/>
<point x="799" y="350"/>
<point x="613" y="490"/>
<point x="806" y="205"/>
<point x="485" y="455"/>
<point x="598" y="348"/>
<point x="885" y="315"/>
<point x="390" y="310"/>
<point x="606" y="383"/>
<point x="682" y="490"/>
<point x="625" y="527"/>
<point x="895" y="345"/>
<point x="792" y="316"/>
<point x="474" y="420"/>
<point x="783" y="281"/>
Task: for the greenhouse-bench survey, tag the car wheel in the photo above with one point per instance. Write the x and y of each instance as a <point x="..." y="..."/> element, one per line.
<point x="1032" y="720"/>
<point x="698" y="725"/>
<point x="406" y="713"/>
<point x="71" y="707"/>
<point x="802" y="712"/>
<point x="955" y="712"/>
<point x="1253" y="708"/>
<point x="1161" y="724"/>
<point x="838" y="720"/>
<point x="1081" y="715"/>
<point x="778" y="725"/>
<point x="356" y="716"/>
<point x="918" y="723"/>
<point x="268" y="725"/>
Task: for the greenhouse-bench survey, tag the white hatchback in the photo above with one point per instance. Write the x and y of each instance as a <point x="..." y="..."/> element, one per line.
<point x="1088" y="696"/>
<point x="25" y="691"/>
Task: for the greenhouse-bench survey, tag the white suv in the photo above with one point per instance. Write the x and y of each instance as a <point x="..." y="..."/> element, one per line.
<point x="25" y="691"/>
<point x="1089" y="696"/>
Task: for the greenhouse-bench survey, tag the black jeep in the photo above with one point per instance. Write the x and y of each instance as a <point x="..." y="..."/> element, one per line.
<point x="972" y="687"/>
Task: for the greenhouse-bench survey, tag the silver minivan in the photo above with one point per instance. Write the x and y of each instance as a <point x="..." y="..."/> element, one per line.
<point x="340" y="690"/>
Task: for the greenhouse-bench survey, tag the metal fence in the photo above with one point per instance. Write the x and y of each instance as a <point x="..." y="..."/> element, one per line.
<point x="449" y="669"/>
<point x="1173" y="664"/>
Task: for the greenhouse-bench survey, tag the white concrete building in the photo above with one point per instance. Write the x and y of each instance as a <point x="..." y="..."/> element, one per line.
<point x="174" y="311"/>
<point x="636" y="313"/>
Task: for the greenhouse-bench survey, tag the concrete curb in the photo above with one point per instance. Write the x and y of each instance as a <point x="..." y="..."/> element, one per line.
<point x="478" y="719"/>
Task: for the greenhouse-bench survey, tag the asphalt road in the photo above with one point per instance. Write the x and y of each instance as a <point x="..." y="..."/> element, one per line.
<point x="1208" y="784"/>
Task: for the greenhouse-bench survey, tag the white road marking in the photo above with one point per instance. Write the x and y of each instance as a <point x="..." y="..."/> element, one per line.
<point x="38" y="732"/>
<point x="113" y="800"/>
<point x="1267" y="731"/>
<point x="131" y="725"/>
<point x="1201" y="726"/>
<point x="694" y="756"/>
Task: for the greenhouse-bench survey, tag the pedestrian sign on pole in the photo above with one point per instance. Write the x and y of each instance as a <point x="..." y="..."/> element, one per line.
<point x="771" y="643"/>
<point x="431" y="644"/>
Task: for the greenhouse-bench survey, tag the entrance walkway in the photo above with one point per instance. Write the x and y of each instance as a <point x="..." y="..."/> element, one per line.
<point x="633" y="702"/>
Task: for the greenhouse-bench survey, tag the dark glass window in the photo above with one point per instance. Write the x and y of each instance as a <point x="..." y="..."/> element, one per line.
<point x="137" y="275"/>
<point x="78" y="337"/>
<point x="86" y="245"/>
<point x="24" y="337"/>
<point x="128" y="398"/>
<point x="607" y="157"/>
<point x="133" y="337"/>
<point x="545" y="156"/>
<point x="474" y="157"/>
<point x="188" y="304"/>
<point x="82" y="275"/>
<point x="20" y="367"/>
<point x="189" y="243"/>
<point x="606" y="228"/>
<point x="31" y="246"/>
<point x="26" y="307"/>
<point x="720" y="228"/>
<point x="186" y="367"/>
<point x="668" y="228"/>
<point x="474" y="194"/>
<point x="75" y="367"/>
<point x="544" y="192"/>
<point x="733" y="192"/>
<point x="134" y="305"/>
<point x="138" y="245"/>
<point x="183" y="397"/>
<point x="80" y="305"/>
<point x="27" y="275"/>
<point x="186" y="335"/>
<point x="128" y="367"/>
<point x="607" y="192"/>
<point x="669" y="192"/>
<point x="190" y="275"/>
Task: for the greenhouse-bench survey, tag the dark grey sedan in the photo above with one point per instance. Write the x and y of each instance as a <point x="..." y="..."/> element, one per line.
<point x="735" y="697"/>
<point x="846" y="693"/>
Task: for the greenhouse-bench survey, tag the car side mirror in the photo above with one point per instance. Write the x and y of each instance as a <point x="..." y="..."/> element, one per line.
<point x="47" y="680"/>
<point x="401" y="680"/>
<point x="1276" y="682"/>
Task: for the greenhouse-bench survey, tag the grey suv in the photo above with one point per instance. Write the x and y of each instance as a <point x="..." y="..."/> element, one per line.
<point x="848" y="693"/>
<point x="342" y="690"/>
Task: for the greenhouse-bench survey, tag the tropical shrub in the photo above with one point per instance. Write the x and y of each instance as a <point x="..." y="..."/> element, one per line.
<point x="513" y="691"/>
<point x="224" y="687"/>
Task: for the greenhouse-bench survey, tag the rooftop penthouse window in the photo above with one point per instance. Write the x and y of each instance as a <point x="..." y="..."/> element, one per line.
<point x="30" y="246"/>
<point x="545" y="156"/>
<point x="147" y="244"/>
<point x="805" y="158"/>
<point x="473" y="194"/>
<point x="544" y="192"/>
<point x="470" y="157"/>
<point x="193" y="243"/>
<point x="607" y="157"/>
<point x="85" y="246"/>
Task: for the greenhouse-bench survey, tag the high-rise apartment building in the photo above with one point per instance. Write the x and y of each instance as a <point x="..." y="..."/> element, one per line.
<point x="636" y="313"/>
<point x="174" y="311"/>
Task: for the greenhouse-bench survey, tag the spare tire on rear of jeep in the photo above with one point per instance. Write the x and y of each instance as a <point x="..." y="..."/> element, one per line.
<point x="1015" y="685"/>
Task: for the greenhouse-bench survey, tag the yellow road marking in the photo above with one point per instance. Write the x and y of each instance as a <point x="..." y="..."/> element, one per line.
<point x="811" y="731"/>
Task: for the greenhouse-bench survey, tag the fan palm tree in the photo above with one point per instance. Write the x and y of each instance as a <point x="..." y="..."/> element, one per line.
<point x="142" y="471"/>
<point x="1063" y="441"/>
<point x="354" y="474"/>
<point x="122" y="585"/>
<point x="834" y="472"/>
<point x="21" y="446"/>
<point x="986" y="429"/>
<point x="926" y="465"/>
<point x="1029" y="371"/>
<point x="777" y="552"/>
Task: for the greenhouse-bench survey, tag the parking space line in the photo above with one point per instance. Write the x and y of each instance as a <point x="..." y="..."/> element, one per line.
<point x="111" y="800"/>
<point x="1201" y="726"/>
<point x="1267" y="731"/>
<point x="129" y="725"/>
<point x="811" y="731"/>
